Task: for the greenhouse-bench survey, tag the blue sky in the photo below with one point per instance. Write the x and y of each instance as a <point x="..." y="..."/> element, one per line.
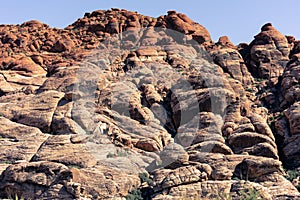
<point x="238" y="19"/>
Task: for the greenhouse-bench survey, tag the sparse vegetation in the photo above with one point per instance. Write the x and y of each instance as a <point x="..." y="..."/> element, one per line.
<point x="223" y="196"/>
<point x="74" y="166"/>
<point x="291" y="174"/>
<point x="245" y="194"/>
<point x="271" y="119"/>
<point x="226" y="197"/>
<point x="121" y="153"/>
<point x="260" y="105"/>
<point x="250" y="194"/>
<point x="135" y="194"/>
<point x="249" y="90"/>
<point x="118" y="153"/>
<point x="260" y="80"/>
<point x="110" y="155"/>
<point x="7" y="162"/>
<point x="141" y="193"/>
<point x="145" y="178"/>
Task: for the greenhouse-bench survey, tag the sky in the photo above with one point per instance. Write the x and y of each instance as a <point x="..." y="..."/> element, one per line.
<point x="238" y="19"/>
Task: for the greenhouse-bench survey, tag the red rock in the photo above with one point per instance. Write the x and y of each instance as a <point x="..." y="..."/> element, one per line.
<point x="63" y="44"/>
<point x="224" y="41"/>
<point x="269" y="53"/>
<point x="91" y="141"/>
<point x="33" y="24"/>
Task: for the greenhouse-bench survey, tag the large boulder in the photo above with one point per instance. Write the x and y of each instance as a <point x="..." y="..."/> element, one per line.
<point x="32" y="110"/>
<point x="269" y="53"/>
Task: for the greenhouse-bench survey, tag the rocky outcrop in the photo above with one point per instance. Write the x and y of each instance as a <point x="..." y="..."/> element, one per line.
<point x="268" y="53"/>
<point x="215" y="173"/>
<point x="287" y="127"/>
<point x="19" y="142"/>
<point x="227" y="56"/>
<point x="124" y="105"/>
<point x="52" y="180"/>
<point x="290" y="82"/>
<point x="32" y="110"/>
<point x="181" y="23"/>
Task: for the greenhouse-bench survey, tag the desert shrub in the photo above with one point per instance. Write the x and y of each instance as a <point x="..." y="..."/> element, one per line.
<point x="121" y="153"/>
<point x="224" y="196"/>
<point x="118" y="153"/>
<point x="249" y="90"/>
<point x="135" y="194"/>
<point x="291" y="174"/>
<point x="144" y="177"/>
<point x="245" y="194"/>
<point x="74" y="166"/>
<point x="260" y="80"/>
<point x="250" y="194"/>
<point x="110" y="155"/>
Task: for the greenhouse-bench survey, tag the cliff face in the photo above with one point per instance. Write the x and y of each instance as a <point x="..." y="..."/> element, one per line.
<point x="124" y="105"/>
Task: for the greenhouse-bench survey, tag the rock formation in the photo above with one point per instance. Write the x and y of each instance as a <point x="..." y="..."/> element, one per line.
<point x="123" y="106"/>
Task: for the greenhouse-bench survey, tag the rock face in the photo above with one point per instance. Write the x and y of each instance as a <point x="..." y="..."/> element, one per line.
<point x="32" y="110"/>
<point x="290" y="81"/>
<point x="124" y="106"/>
<point x="269" y="53"/>
<point x="226" y="55"/>
<point x="19" y="142"/>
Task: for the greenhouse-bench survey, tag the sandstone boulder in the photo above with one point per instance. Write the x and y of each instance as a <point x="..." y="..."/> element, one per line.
<point x="32" y="110"/>
<point x="18" y="142"/>
<point x="269" y="53"/>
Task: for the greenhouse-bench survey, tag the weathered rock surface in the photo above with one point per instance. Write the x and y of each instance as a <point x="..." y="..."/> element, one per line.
<point x="81" y="118"/>
<point x="19" y="142"/>
<point x="32" y="110"/>
<point x="269" y="53"/>
<point x="227" y="56"/>
<point x="290" y="81"/>
<point x="45" y="178"/>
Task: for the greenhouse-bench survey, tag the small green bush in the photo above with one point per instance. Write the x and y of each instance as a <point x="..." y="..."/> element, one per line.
<point x="74" y="166"/>
<point x="249" y="90"/>
<point x="144" y="177"/>
<point x="224" y="196"/>
<point x="245" y="194"/>
<point x="135" y="194"/>
<point x="118" y="153"/>
<point x="7" y="162"/>
<point x="110" y="155"/>
<point x="250" y="194"/>
<point x="260" y="105"/>
<point x="260" y="80"/>
<point x="121" y="153"/>
<point x="291" y="174"/>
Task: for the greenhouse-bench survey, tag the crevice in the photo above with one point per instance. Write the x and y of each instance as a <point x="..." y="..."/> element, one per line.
<point x="33" y="158"/>
<point x="61" y="102"/>
<point x="170" y="125"/>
